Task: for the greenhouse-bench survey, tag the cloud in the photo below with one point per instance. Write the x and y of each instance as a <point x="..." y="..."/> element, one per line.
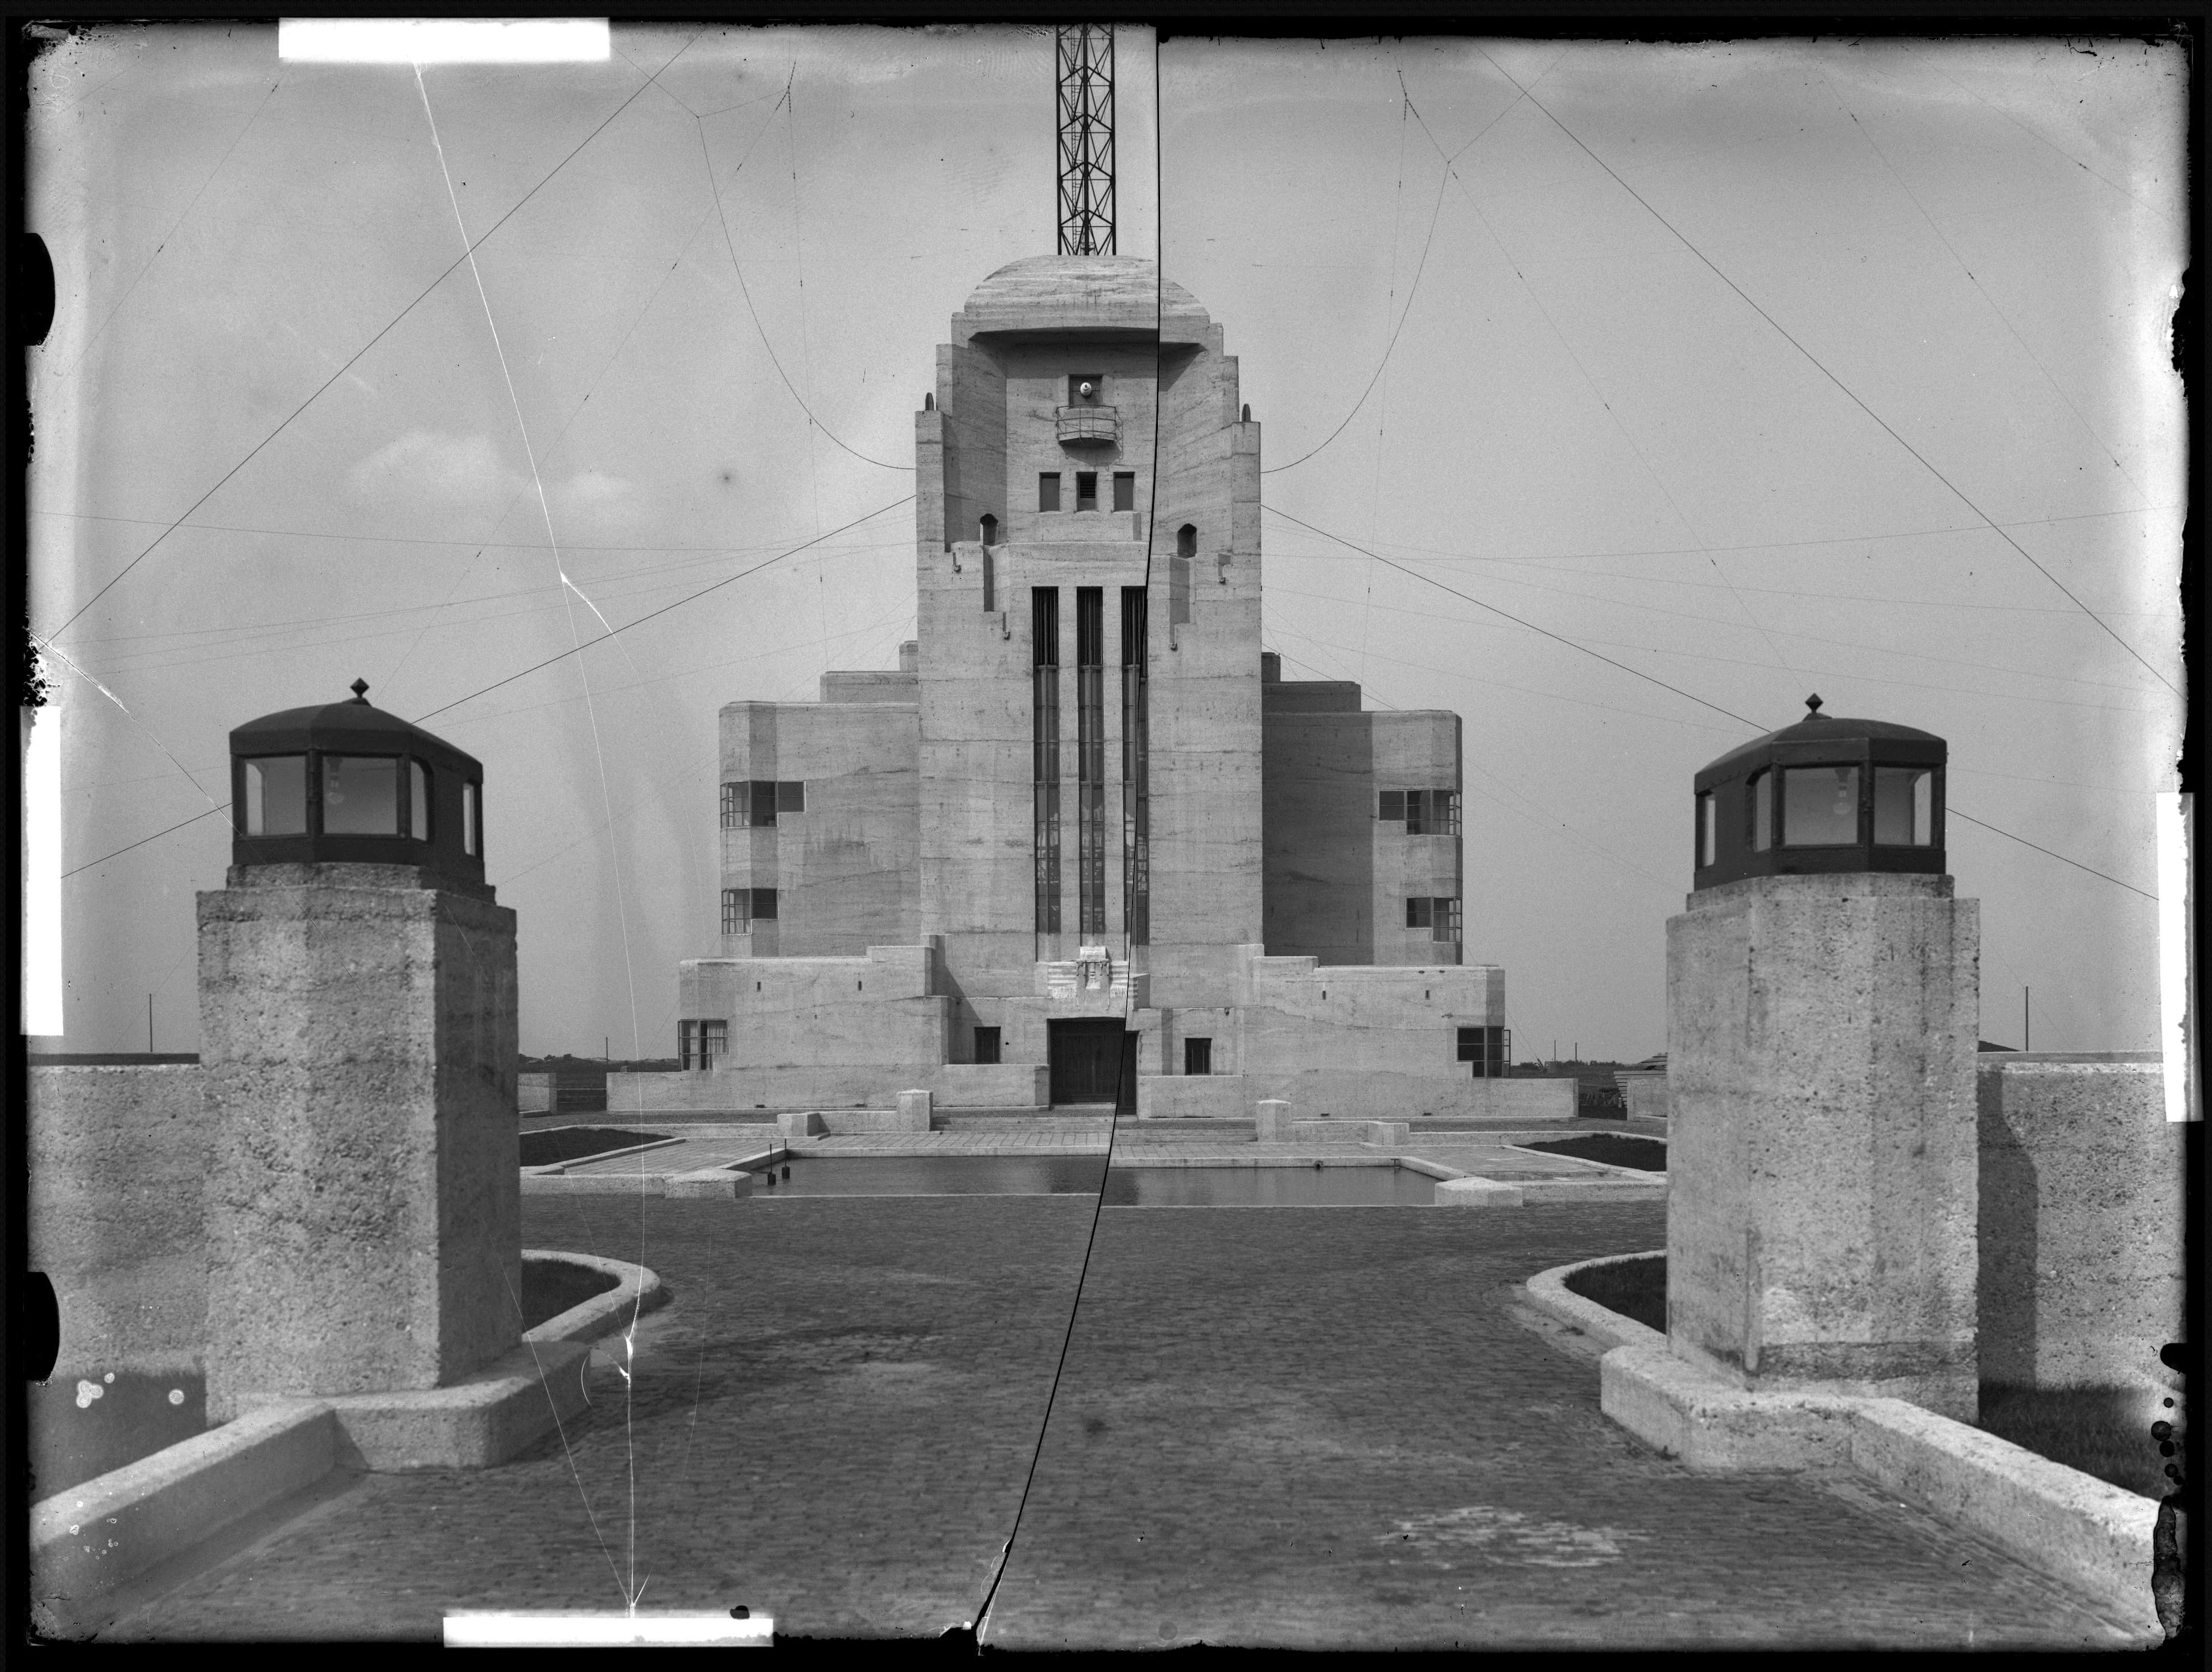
<point x="430" y="470"/>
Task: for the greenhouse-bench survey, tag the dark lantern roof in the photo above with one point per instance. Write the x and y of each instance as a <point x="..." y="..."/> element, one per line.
<point x="350" y="728"/>
<point x="1822" y="730"/>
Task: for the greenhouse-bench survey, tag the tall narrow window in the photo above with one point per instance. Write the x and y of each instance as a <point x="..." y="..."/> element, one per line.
<point x="1417" y="812"/>
<point x="1136" y="773"/>
<point x="1125" y="491"/>
<point x="418" y="801"/>
<point x="1762" y="811"/>
<point x="1086" y="490"/>
<point x="763" y="801"/>
<point x="1708" y="829"/>
<point x="988" y="529"/>
<point x="1179" y="574"/>
<point x="734" y="913"/>
<point x="733" y="806"/>
<point x="472" y="820"/>
<point x="1044" y="628"/>
<point x="1090" y="760"/>
<point x="1049" y="492"/>
<point x="714" y="1043"/>
<point x="687" y="1044"/>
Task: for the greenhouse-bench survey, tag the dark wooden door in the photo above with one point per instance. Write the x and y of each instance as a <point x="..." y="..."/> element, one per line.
<point x="1086" y="1060"/>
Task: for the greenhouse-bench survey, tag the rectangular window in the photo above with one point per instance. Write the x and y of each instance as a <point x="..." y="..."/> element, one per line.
<point x="472" y="820"/>
<point x="418" y="801"/>
<point x="1198" y="1056"/>
<point x="1708" y="829"/>
<point x="1420" y="912"/>
<point x="762" y="797"/>
<point x="1819" y="806"/>
<point x="1044" y="628"/>
<point x="1762" y="811"/>
<point x="791" y="797"/>
<point x="1125" y="491"/>
<point x="986" y="1045"/>
<point x="1049" y="492"/>
<point x="1905" y="807"/>
<point x="1444" y="805"/>
<point x="1090" y="760"/>
<point x="687" y="1044"/>
<point x="714" y="1043"/>
<point x="360" y="795"/>
<point x="1086" y="490"/>
<point x="1393" y="804"/>
<point x="1486" y="1048"/>
<point x="733" y="806"/>
<point x="736" y="911"/>
<point x="277" y="795"/>
<point x="1178" y="589"/>
<point x="764" y="904"/>
<point x="1445" y="914"/>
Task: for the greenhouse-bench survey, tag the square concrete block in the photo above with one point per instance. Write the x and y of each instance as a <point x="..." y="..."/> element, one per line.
<point x="1274" y="1123"/>
<point x="799" y="1125"/>
<point x="914" y="1111"/>
<point x="1477" y="1193"/>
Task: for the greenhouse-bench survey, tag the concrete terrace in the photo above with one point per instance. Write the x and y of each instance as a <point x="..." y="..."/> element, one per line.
<point x="1313" y="1427"/>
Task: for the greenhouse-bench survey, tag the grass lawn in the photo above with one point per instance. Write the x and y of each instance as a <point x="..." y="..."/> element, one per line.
<point x="2099" y="1430"/>
<point x="542" y="1149"/>
<point x="1615" y="1149"/>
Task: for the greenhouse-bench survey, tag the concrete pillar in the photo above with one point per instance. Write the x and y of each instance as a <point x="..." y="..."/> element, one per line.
<point x="1821" y="1215"/>
<point x="914" y="1111"/>
<point x="362" y="1190"/>
<point x="1273" y="1124"/>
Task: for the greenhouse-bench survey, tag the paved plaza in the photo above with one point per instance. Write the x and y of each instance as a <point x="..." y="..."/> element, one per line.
<point x="1325" y="1428"/>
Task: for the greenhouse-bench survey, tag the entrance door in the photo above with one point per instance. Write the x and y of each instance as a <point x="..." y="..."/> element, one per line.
<point x="1086" y="1060"/>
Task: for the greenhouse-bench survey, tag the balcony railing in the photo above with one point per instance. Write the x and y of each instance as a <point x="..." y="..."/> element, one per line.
<point x="1090" y="424"/>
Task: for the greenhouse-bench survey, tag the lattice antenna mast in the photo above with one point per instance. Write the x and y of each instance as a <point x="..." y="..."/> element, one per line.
<point x="1086" y="139"/>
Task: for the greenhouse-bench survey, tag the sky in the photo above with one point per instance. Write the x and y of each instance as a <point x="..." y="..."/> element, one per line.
<point x="1615" y="397"/>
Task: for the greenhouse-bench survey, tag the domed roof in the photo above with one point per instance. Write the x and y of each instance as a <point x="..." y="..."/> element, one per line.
<point x="353" y="726"/>
<point x="1083" y="293"/>
<point x="1822" y="730"/>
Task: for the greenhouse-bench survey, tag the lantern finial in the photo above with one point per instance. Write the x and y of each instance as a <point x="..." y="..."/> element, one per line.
<point x="1812" y="702"/>
<point x="361" y="691"/>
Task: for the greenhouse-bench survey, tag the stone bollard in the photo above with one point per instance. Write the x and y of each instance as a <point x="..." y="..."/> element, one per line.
<point x="1273" y="1124"/>
<point x="914" y="1111"/>
<point x="1477" y="1193"/>
<point x="800" y="1125"/>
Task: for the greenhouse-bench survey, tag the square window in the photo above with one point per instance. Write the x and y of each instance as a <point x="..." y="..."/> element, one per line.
<point x="791" y="797"/>
<point x="1819" y="806"/>
<point x="1198" y="1056"/>
<point x="1420" y="912"/>
<point x="1049" y="492"/>
<point x="764" y="801"/>
<point x="1393" y="804"/>
<point x="764" y="904"/>
<point x="360" y="795"/>
<point x="986" y="1045"/>
<point x="1905" y="807"/>
<point x="1125" y="491"/>
<point x="1086" y="490"/>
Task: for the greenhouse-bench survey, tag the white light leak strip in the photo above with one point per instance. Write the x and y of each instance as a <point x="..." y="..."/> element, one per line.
<point x="42" y="870"/>
<point x="2176" y="962"/>
<point x="586" y="1628"/>
<point x="442" y="40"/>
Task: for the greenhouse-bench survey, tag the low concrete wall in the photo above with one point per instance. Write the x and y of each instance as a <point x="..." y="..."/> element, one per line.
<point x="1646" y="1089"/>
<point x="533" y="1094"/>
<point x="1381" y="1095"/>
<point x="116" y="1156"/>
<point x="1192" y="1097"/>
<point x="747" y="1092"/>
<point x="2082" y="1214"/>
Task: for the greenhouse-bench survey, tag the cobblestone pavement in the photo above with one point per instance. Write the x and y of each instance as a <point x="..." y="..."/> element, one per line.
<point x="1317" y="1427"/>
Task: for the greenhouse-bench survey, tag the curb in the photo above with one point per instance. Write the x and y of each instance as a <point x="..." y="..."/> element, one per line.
<point x="107" y="1530"/>
<point x="2095" y="1537"/>
<point x="637" y="1291"/>
<point x="1549" y="1292"/>
<point x="556" y="1169"/>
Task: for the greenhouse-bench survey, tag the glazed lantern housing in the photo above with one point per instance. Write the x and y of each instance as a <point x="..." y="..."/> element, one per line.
<point x="347" y="783"/>
<point x="1826" y="794"/>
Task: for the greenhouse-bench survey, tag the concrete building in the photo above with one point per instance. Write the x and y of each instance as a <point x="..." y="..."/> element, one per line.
<point x="1086" y="841"/>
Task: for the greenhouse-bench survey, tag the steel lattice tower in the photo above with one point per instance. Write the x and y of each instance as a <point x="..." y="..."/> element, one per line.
<point x="1086" y="139"/>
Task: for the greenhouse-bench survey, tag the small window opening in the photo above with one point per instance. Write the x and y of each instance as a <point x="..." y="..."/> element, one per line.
<point x="1762" y="811"/>
<point x="1708" y="827"/>
<point x="418" y="801"/>
<point x="472" y="820"/>
<point x="1086" y="490"/>
<point x="791" y="796"/>
<point x="1198" y="1056"/>
<point x="1187" y="540"/>
<point x="988" y="529"/>
<point x="1125" y="491"/>
<point x="1049" y="492"/>
<point x="986" y="1045"/>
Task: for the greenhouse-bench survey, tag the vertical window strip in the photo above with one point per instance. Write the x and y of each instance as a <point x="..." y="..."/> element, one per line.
<point x="1136" y="789"/>
<point x="1044" y="626"/>
<point x="1090" y="760"/>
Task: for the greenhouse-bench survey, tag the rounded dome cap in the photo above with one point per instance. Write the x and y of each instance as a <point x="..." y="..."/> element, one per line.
<point x="1089" y="292"/>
